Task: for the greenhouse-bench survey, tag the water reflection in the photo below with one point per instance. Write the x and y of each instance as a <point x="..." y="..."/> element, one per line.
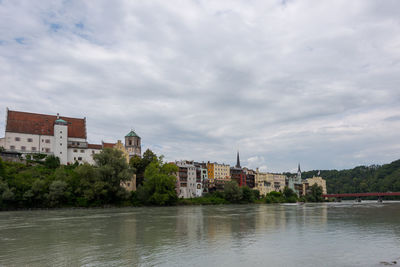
<point x="329" y="234"/>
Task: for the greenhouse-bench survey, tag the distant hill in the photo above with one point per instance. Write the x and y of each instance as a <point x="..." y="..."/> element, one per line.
<point x="374" y="178"/>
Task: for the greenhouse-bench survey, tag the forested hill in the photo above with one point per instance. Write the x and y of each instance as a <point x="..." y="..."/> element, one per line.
<point x="374" y="178"/>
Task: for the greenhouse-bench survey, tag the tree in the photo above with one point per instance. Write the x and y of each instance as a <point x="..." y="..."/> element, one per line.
<point x="289" y="195"/>
<point x="315" y="194"/>
<point x="52" y="162"/>
<point x="112" y="170"/>
<point x="2" y="169"/>
<point x="140" y="164"/>
<point x="57" y="192"/>
<point x="159" y="184"/>
<point x="232" y="192"/>
<point x="248" y="195"/>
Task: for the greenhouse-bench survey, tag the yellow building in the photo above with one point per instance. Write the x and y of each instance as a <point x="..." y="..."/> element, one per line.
<point x="307" y="183"/>
<point x="268" y="182"/>
<point x="218" y="171"/>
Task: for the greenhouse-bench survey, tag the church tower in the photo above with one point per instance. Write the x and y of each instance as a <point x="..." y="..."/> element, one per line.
<point x="237" y="161"/>
<point x="133" y="144"/>
<point x="298" y="177"/>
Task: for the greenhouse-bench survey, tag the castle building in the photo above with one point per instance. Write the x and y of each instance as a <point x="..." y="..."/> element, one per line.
<point x="63" y="137"/>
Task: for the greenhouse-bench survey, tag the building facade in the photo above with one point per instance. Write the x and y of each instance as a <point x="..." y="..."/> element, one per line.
<point x="186" y="179"/>
<point x="237" y="174"/>
<point x="268" y="182"/>
<point x="307" y="183"/>
<point x="295" y="183"/>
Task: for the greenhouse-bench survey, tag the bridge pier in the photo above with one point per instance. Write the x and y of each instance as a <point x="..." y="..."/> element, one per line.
<point x="380" y="199"/>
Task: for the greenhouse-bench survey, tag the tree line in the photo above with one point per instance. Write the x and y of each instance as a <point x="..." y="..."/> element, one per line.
<point x="41" y="182"/>
<point x="361" y="179"/>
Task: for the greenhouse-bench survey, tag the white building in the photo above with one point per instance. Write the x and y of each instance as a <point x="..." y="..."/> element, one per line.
<point x="30" y="133"/>
<point x="186" y="186"/>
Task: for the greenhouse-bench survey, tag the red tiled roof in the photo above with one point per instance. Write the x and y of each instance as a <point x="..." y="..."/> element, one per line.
<point x="95" y="146"/>
<point x="32" y="123"/>
<point x="108" y="145"/>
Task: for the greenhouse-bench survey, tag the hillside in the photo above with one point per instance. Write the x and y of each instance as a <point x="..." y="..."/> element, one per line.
<point x="374" y="178"/>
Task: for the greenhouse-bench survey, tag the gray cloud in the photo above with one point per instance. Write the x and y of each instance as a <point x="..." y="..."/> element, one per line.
<point x="283" y="82"/>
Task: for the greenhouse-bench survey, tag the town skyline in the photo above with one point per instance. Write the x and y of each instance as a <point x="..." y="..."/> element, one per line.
<point x="282" y="82"/>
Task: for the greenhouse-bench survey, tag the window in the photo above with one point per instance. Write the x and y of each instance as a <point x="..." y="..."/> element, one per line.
<point x="74" y="158"/>
<point x="47" y="141"/>
<point x="92" y="151"/>
<point x="60" y="136"/>
<point x="60" y="131"/>
<point x="42" y="140"/>
<point x="75" y="150"/>
<point x="12" y="147"/>
<point x="17" y="139"/>
<point x="47" y="150"/>
<point x="130" y="142"/>
<point x="60" y="152"/>
<point x="129" y="184"/>
<point x="77" y="143"/>
<point x="82" y="151"/>
<point x="60" y="144"/>
<point x="33" y="148"/>
<point x="30" y="140"/>
<point x="23" y="148"/>
<point x="79" y="158"/>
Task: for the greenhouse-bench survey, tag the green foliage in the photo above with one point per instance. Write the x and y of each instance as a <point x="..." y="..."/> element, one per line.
<point x="232" y="192"/>
<point x="248" y="195"/>
<point x="139" y="164"/>
<point x="374" y="178"/>
<point x="315" y="194"/>
<point x="52" y="162"/>
<point x="159" y="184"/>
<point x="2" y="169"/>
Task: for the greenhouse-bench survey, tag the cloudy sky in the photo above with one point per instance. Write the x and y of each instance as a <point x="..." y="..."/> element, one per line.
<point x="315" y="82"/>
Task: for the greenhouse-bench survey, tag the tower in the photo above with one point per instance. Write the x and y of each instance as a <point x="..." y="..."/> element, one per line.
<point x="133" y="144"/>
<point x="237" y="161"/>
<point x="61" y="139"/>
<point x="298" y="177"/>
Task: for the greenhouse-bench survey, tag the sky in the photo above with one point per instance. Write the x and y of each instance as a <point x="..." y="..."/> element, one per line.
<point x="283" y="82"/>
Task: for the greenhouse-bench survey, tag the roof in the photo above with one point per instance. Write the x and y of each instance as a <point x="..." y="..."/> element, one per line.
<point x="108" y="145"/>
<point x="61" y="121"/>
<point x="132" y="134"/>
<point x="42" y="124"/>
<point x="95" y="146"/>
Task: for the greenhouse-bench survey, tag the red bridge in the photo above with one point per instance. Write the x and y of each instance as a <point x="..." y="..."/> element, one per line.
<point x="359" y="195"/>
<point x="363" y="194"/>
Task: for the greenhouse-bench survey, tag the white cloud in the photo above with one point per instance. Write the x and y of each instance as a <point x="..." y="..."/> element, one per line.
<point x="305" y="81"/>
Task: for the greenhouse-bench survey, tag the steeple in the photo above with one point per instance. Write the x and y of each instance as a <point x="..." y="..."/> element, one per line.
<point x="237" y="160"/>
<point x="298" y="170"/>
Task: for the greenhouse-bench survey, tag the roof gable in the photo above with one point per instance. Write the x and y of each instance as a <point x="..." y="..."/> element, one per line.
<point x="42" y="124"/>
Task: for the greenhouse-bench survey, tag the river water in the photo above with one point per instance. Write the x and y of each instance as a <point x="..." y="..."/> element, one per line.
<point x="328" y="234"/>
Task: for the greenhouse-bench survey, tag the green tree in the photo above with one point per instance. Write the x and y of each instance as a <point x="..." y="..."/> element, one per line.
<point x="289" y="195"/>
<point x="159" y="184"/>
<point x="232" y="192"/>
<point x="52" y="162"/>
<point x="139" y="164"/>
<point x="315" y="194"/>
<point x="2" y="169"/>
<point x="57" y="192"/>
<point x="248" y="195"/>
<point x="112" y="170"/>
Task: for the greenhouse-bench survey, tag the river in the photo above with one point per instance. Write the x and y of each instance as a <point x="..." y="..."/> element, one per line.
<point x="327" y="234"/>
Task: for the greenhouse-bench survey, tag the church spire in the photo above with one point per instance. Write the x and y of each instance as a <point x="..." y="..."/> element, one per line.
<point x="237" y="160"/>
<point x="298" y="170"/>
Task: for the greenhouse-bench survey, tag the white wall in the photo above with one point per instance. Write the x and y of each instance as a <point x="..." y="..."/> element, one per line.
<point x="38" y="141"/>
<point x="3" y="142"/>
<point x="85" y="155"/>
<point x="60" y="144"/>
